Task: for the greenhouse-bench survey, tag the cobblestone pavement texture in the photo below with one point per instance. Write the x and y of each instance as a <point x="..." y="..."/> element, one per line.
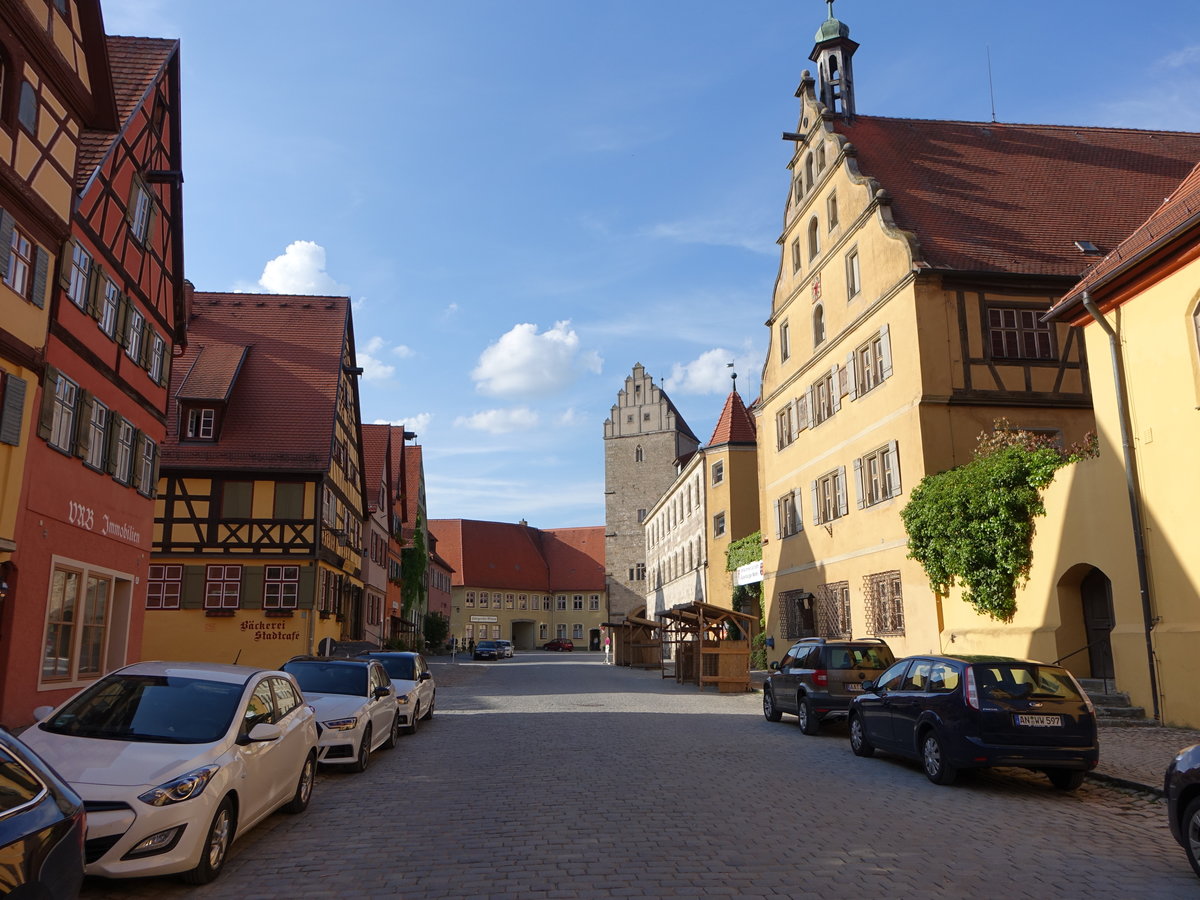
<point x="554" y="776"/>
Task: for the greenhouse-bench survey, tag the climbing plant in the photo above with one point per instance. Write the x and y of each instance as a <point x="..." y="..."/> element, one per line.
<point x="414" y="560"/>
<point x="975" y="523"/>
<point x="747" y="597"/>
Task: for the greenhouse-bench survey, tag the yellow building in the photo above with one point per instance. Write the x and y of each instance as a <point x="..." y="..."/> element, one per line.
<point x="258" y="540"/>
<point x="918" y="258"/>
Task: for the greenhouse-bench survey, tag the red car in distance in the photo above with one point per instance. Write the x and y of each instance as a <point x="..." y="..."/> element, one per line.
<point x="559" y="644"/>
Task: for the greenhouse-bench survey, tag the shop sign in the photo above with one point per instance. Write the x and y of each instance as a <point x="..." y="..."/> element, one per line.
<point x="85" y="517"/>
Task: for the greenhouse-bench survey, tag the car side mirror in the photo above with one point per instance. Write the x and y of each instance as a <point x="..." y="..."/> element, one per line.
<point x="774" y="664"/>
<point x="264" y="731"/>
<point x="425" y="676"/>
<point x="868" y="685"/>
<point x="382" y="691"/>
<point x="42" y="711"/>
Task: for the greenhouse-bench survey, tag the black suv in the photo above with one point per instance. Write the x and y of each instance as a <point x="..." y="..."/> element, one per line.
<point x="819" y="677"/>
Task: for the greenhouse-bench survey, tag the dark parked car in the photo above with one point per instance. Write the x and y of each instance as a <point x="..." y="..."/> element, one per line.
<point x="488" y="650"/>
<point x="960" y="712"/>
<point x="42" y="826"/>
<point x="817" y="678"/>
<point x="559" y="644"/>
<point x="1183" y="802"/>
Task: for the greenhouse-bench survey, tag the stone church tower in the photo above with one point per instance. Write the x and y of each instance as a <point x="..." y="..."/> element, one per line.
<point x="644" y="435"/>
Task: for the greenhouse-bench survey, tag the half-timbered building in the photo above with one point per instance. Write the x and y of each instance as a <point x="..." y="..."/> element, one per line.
<point x="259" y="525"/>
<point x="917" y="259"/>
<point x="113" y="315"/>
<point x="381" y="530"/>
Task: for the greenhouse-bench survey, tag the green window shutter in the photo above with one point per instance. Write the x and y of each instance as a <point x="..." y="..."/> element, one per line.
<point x="147" y="336"/>
<point x="252" y="587"/>
<point x="139" y="447"/>
<point x="151" y="219"/>
<point x="122" y="320"/>
<point x="114" y="431"/>
<point x="192" y="596"/>
<point x="7" y="223"/>
<point x="41" y="274"/>
<point x="64" y="263"/>
<point x="46" y="416"/>
<point x="83" y="423"/>
<point x="307" y="595"/>
<point x="12" y="410"/>
<point x="165" y="378"/>
<point x="95" y="294"/>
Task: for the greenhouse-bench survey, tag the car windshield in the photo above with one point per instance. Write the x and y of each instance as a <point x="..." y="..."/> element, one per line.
<point x="1016" y="681"/>
<point x="328" y="677"/>
<point x="486" y="645"/>
<point x="399" y="668"/>
<point x="874" y="657"/>
<point x="154" y="708"/>
<point x="18" y="785"/>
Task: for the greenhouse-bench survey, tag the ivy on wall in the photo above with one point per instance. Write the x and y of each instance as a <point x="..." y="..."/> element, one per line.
<point x="747" y="597"/>
<point x="974" y="524"/>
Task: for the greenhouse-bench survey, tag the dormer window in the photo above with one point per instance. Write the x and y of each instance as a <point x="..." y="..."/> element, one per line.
<point x="200" y="424"/>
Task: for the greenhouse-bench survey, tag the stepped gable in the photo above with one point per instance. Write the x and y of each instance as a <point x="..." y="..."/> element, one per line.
<point x="993" y="197"/>
<point x="281" y="402"/>
<point x="735" y="424"/>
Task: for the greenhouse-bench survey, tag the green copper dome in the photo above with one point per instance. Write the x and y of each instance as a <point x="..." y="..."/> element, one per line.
<point x="832" y="28"/>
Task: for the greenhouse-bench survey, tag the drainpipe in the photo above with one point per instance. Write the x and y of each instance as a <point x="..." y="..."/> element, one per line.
<point x="1135" y="500"/>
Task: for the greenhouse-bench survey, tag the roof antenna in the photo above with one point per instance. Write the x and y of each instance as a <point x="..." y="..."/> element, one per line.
<point x="991" y="90"/>
<point x="732" y="375"/>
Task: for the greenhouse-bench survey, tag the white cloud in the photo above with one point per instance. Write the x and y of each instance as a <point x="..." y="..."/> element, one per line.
<point x="300" y="270"/>
<point x="710" y="372"/>
<point x="402" y="351"/>
<point x="500" y="421"/>
<point x="714" y="232"/>
<point x="524" y="362"/>
<point x="570" y="417"/>
<point x="417" y="423"/>
<point x="368" y="358"/>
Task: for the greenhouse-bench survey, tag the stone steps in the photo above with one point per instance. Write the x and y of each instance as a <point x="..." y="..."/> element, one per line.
<point x="1113" y="707"/>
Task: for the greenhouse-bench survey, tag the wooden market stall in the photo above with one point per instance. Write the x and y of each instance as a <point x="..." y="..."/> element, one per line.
<point x="636" y="643"/>
<point x="710" y="645"/>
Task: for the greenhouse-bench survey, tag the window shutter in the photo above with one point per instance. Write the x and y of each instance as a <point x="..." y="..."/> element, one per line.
<point x="95" y="294"/>
<point x="843" y="507"/>
<point x="12" y="410"/>
<point x="885" y="351"/>
<point x="851" y="376"/>
<point x="46" y="416"/>
<point x="139" y="447"/>
<point x="7" y="223"/>
<point x="801" y="404"/>
<point x="147" y="337"/>
<point x="131" y="202"/>
<point x="779" y="436"/>
<point x="114" y="433"/>
<point x="799" y="523"/>
<point x="894" y="467"/>
<point x="151" y="218"/>
<point x="835" y="392"/>
<point x="779" y="529"/>
<point x="64" y="263"/>
<point x="41" y="274"/>
<point x="816" y="501"/>
<point x="123" y="307"/>
<point x="165" y="377"/>
<point x="860" y="497"/>
<point x="153" y="489"/>
<point x="83" y="419"/>
<point x="809" y="403"/>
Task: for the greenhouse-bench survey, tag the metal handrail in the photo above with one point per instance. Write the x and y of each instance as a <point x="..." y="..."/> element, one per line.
<point x="1073" y="652"/>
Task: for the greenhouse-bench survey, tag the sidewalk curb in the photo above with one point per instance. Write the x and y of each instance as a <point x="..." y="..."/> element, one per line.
<point x="1127" y="783"/>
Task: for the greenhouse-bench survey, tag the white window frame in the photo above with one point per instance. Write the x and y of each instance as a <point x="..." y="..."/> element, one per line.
<point x="829" y="496"/>
<point x="853" y="274"/>
<point x="98" y="425"/>
<point x="134" y="326"/>
<point x="788" y="515"/>
<point x="281" y="587"/>
<point x="123" y="465"/>
<point x="81" y="272"/>
<point x="717" y="470"/>
<point x="66" y="408"/>
<point x="110" y="305"/>
<point x="158" y="352"/>
<point x="222" y="587"/>
<point x="719" y="525"/>
<point x="143" y="205"/>
<point x="20" y="262"/>
<point x="164" y="586"/>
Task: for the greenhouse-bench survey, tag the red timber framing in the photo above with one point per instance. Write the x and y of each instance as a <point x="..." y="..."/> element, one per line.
<point x="116" y="315"/>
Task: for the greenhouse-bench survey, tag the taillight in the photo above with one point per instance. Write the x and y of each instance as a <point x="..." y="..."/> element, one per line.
<point x="1087" y="701"/>
<point x="970" y="693"/>
<point x="821" y="678"/>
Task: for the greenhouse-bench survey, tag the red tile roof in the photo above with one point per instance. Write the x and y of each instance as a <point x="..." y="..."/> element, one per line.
<point x="281" y="410"/>
<point x="136" y="64"/>
<point x="414" y="479"/>
<point x="376" y="445"/>
<point x="735" y="425"/>
<point x="1178" y="215"/>
<point x="507" y="556"/>
<point x="1014" y="198"/>
<point x="213" y="371"/>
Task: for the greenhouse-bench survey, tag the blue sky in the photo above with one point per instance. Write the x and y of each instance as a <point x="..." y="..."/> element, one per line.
<point x="525" y="198"/>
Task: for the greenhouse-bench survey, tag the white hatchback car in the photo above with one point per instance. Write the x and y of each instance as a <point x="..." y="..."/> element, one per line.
<point x="175" y="760"/>
<point x="355" y="704"/>
<point x="415" y="691"/>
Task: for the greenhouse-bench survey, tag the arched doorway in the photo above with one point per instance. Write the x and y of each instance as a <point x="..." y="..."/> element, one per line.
<point x="1095" y="595"/>
<point x="594" y="639"/>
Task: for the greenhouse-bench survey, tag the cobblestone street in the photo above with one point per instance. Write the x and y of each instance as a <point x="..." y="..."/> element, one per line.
<point x="554" y="776"/>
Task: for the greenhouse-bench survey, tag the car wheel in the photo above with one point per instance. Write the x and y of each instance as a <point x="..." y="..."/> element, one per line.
<point x="1191" y="833"/>
<point x="1065" y="779"/>
<point x="216" y="846"/>
<point x="933" y="758"/>
<point x="304" y="787"/>
<point x="413" y="720"/>
<point x="364" y="752"/>
<point x="810" y="722"/>
<point x="429" y="712"/>
<point x="770" y="713"/>
<point x="393" y="733"/>
<point x="858" y="738"/>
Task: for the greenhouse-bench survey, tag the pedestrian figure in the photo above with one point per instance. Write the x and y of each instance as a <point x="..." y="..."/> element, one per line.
<point x="471" y="646"/>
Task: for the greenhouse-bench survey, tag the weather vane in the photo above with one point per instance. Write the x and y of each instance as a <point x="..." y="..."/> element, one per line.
<point x="732" y="375"/>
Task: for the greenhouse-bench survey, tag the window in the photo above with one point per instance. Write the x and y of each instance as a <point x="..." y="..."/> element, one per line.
<point x="201" y="424"/>
<point x="829" y="496"/>
<point x="147" y="482"/>
<point x="638" y="456"/>
<point x="97" y="435"/>
<point x="485" y="599"/>
<point x="236" y="499"/>
<point x="289" y="500"/>
<point x="818" y="319"/>
<point x="81" y="272"/>
<point x="1019" y="334"/>
<point x="281" y="587"/>
<point x="164" y="585"/>
<point x="141" y="209"/>
<point x="853" y="274"/>
<point x="872" y="362"/>
<point x="808" y="172"/>
<point x="832" y="210"/>
<point x="825" y="397"/>
<point x="719" y="524"/>
<point x="20" y="263"/>
<point x="12" y="407"/>
<point x="718" y="471"/>
<point x="470" y="598"/>
<point x="785" y="342"/>
<point x="27" y="109"/>
<point x="641" y="516"/>
<point x="884" y="603"/>
<point x="820" y="157"/>
<point x="833" y="609"/>
<point x="158" y="352"/>
<point x="134" y="324"/>
<point x="62" y="428"/>
<point x="509" y="601"/>
<point x="797" y="189"/>
<point x="594" y="602"/>
<point x="787" y="515"/>
<point x="814" y="237"/>
<point x="796" y="255"/>
<point x="222" y="587"/>
<point x="329" y="507"/>
<point x="577" y="601"/>
<point x="877" y="476"/>
<point x="577" y="631"/>
<point x="639" y="572"/>
<point x="76" y="625"/>
<point x="560" y="632"/>
<point x="109" y="308"/>
<point x="561" y="602"/>
<point x="790" y="421"/>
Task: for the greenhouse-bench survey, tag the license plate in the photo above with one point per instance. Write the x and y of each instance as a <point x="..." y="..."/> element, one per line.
<point x="854" y="686"/>
<point x="1039" y="721"/>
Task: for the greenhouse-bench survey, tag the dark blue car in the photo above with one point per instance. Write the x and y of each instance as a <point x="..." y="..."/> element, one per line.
<point x="973" y="712"/>
<point x="1182" y="787"/>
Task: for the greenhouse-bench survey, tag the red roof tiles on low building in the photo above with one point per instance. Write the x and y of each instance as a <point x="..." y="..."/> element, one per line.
<point x="508" y="556"/>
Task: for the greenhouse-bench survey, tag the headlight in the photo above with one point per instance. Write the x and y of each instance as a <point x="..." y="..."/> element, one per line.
<point x="402" y="699"/>
<point x="185" y="787"/>
<point x="341" y="724"/>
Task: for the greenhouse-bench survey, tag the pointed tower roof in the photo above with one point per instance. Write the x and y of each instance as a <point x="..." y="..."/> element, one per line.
<point x="735" y="426"/>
